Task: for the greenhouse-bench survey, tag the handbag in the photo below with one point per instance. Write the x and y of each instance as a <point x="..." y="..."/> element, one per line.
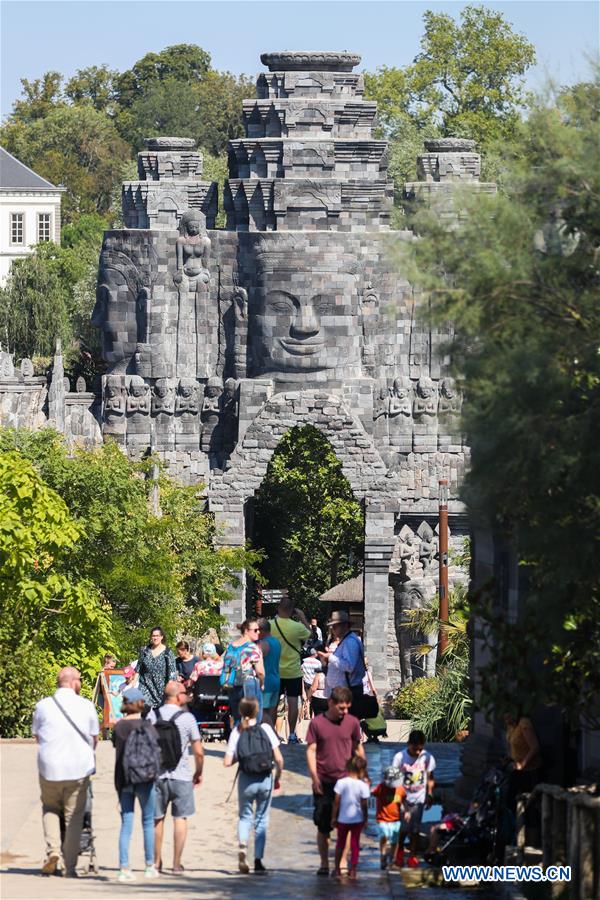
<point x="364" y="706"/>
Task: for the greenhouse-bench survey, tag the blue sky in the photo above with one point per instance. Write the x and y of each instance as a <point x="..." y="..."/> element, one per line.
<point x="41" y="35"/>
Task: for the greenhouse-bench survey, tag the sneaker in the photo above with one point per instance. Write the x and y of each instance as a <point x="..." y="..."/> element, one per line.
<point x="294" y="739"/>
<point x="125" y="875"/>
<point x="243" y="862"/>
<point x="383" y="862"/>
<point x="151" y="872"/>
<point x="412" y="862"/>
<point x="399" y="861"/>
<point x="51" y="864"/>
<point x="259" y="869"/>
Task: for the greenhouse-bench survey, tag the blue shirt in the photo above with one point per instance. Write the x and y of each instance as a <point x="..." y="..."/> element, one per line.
<point x="346" y="666"/>
<point x="271" y="661"/>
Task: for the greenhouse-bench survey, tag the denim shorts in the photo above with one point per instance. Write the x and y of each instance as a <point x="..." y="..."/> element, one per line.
<point x="180" y="794"/>
<point x="414" y="822"/>
<point x="389" y="830"/>
<point x="270" y="698"/>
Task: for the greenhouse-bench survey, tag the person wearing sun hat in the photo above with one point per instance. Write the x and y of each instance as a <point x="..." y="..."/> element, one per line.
<point x="346" y="664"/>
<point x="389" y="799"/>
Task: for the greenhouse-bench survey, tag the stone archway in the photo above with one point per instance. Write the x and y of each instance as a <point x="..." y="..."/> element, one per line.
<point x="365" y="471"/>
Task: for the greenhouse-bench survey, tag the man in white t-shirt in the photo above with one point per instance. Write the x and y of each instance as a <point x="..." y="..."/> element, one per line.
<point x="66" y="729"/>
<point x="175" y="788"/>
<point x="417" y="766"/>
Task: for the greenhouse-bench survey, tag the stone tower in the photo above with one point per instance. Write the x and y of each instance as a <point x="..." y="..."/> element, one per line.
<point x="220" y="341"/>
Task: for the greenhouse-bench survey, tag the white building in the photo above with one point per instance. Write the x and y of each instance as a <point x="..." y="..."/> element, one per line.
<point x="29" y="211"/>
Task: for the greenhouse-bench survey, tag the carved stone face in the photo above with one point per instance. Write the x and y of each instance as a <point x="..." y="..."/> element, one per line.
<point x="447" y="389"/>
<point x="138" y="390"/>
<point x="425" y="388"/>
<point x="401" y="390"/>
<point x="305" y="322"/>
<point x="161" y="388"/>
<point x="115" y="314"/>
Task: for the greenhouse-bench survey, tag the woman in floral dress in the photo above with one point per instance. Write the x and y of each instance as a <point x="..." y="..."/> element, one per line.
<point x="156" y="666"/>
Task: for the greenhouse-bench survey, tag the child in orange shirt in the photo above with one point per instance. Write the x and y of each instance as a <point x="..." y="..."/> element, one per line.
<point x="389" y="796"/>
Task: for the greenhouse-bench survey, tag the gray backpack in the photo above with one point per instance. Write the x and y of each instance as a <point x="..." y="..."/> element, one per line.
<point x="141" y="755"/>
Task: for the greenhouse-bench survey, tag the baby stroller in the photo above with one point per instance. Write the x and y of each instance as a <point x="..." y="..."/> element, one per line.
<point x="210" y="707"/>
<point x="86" y="841"/>
<point x="478" y="837"/>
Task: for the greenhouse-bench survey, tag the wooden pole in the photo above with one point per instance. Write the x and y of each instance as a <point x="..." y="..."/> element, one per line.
<point x="443" y="565"/>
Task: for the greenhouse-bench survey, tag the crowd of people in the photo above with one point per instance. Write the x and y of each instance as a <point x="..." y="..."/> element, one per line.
<point x="267" y="672"/>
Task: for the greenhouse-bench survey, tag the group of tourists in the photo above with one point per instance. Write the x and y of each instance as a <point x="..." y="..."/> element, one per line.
<point x="157" y="737"/>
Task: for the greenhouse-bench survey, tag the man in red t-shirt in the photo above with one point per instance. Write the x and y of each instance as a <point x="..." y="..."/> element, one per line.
<point x="332" y="738"/>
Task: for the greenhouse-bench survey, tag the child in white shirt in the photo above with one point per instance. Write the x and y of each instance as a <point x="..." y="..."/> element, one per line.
<point x="350" y="811"/>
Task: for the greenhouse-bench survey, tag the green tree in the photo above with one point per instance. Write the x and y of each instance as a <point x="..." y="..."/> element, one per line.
<point x="465" y="82"/>
<point x="94" y="85"/>
<point x="41" y="96"/>
<point x="51" y="293"/>
<point x="34" y="305"/>
<point x="73" y="145"/>
<point x="220" y="96"/>
<point x="469" y="75"/>
<point x="165" y="107"/>
<point x="518" y="277"/>
<point x="148" y="568"/>
<point x="182" y="63"/>
<point x="307" y="520"/>
<point x="47" y="615"/>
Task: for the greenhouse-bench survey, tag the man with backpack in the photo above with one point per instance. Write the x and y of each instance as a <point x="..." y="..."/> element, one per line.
<point x="177" y="730"/>
<point x="291" y="634"/>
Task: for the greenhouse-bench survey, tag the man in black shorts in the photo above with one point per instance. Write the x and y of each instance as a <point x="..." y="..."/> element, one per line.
<point x="332" y="738"/>
<point x="291" y="634"/>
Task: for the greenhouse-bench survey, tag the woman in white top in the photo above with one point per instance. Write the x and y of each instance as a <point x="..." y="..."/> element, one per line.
<point x="252" y="788"/>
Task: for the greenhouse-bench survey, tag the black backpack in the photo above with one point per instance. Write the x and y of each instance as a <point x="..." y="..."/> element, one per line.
<point x="254" y="751"/>
<point x="141" y="756"/>
<point x="169" y="740"/>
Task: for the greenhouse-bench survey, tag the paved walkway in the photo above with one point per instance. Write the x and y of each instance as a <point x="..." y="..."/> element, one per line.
<point x="210" y="856"/>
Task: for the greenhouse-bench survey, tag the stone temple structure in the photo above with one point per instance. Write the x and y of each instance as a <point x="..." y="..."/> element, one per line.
<point x="217" y="342"/>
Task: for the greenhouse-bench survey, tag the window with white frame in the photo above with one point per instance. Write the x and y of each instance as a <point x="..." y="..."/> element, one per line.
<point x="43" y="227"/>
<point x="17" y="228"/>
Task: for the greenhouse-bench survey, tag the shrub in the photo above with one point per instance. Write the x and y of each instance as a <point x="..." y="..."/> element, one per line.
<point x="410" y="699"/>
<point x="28" y="674"/>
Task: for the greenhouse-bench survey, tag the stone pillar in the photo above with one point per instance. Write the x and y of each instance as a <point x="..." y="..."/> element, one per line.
<point x="231" y="532"/>
<point x="379" y="544"/>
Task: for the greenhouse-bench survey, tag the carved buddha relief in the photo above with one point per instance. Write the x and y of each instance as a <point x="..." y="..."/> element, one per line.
<point x="304" y="315"/>
<point x="122" y="301"/>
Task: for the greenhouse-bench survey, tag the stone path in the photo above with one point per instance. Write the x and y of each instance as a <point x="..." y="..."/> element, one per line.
<point x="210" y="855"/>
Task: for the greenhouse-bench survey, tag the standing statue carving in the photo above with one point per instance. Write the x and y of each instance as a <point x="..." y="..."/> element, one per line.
<point x="370" y="317"/>
<point x="425" y="416"/>
<point x="186" y="413"/>
<point x="381" y="412"/>
<point x="428" y="548"/>
<point x="163" y="409"/>
<point x="138" y="405"/>
<point x="163" y="399"/>
<point x="400" y="415"/>
<point x="408" y="551"/>
<point x="211" y="434"/>
<point x="410" y="596"/>
<point x="114" y="407"/>
<point x="449" y="410"/>
<point x="229" y="406"/>
<point x="193" y="286"/>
